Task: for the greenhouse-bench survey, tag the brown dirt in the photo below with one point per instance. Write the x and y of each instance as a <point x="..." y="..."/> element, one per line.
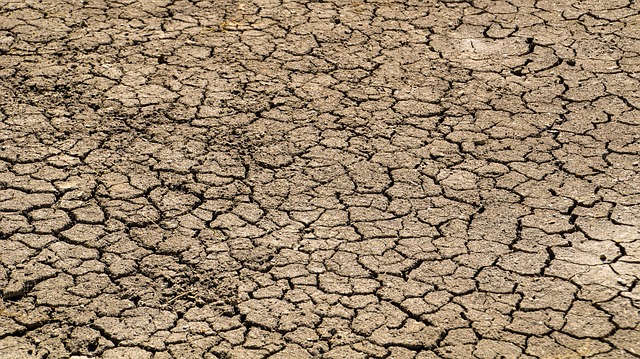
<point x="336" y="179"/>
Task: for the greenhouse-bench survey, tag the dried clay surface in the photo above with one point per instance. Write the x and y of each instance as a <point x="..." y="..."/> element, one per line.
<point x="320" y="179"/>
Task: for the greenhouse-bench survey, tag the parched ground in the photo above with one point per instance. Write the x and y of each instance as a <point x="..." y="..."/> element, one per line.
<point x="320" y="179"/>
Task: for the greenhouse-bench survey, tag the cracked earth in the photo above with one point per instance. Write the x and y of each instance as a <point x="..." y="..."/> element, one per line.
<point x="335" y="179"/>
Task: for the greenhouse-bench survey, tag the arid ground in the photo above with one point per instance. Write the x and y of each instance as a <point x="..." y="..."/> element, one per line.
<point x="320" y="179"/>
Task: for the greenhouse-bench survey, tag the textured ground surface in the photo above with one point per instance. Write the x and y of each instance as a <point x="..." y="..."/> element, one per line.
<point x="336" y="179"/>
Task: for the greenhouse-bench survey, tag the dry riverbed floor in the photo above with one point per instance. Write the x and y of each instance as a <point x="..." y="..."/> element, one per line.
<point x="320" y="179"/>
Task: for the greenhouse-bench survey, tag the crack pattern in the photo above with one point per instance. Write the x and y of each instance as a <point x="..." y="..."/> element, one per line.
<point x="338" y="179"/>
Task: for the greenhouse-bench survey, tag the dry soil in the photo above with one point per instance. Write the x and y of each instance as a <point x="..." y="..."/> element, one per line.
<point x="320" y="179"/>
